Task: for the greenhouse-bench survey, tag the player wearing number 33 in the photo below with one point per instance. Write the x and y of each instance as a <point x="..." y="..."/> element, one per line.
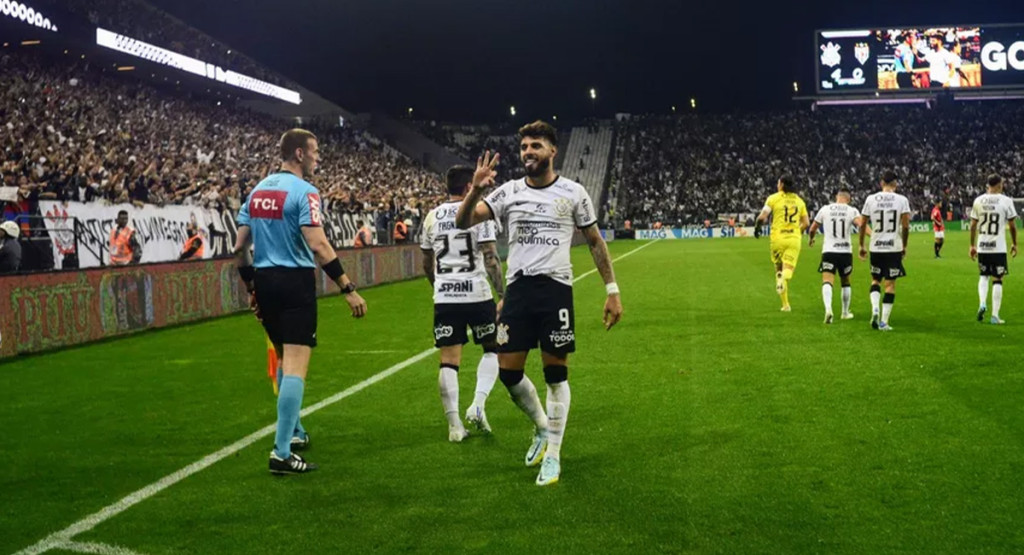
<point x="541" y="213"/>
<point x="888" y="214"/>
<point x="990" y="215"/>
<point x="789" y="220"/>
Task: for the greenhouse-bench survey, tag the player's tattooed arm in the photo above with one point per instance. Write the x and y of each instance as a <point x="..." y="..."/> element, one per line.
<point x="428" y="266"/>
<point x="599" y="251"/>
<point x="492" y="263"/>
<point x="905" y="232"/>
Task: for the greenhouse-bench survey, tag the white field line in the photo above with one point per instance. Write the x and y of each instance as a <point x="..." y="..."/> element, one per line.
<point x="96" y="548"/>
<point x="62" y="538"/>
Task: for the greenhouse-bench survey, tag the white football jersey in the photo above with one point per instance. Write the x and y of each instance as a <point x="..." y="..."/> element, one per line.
<point x="836" y="222"/>
<point x="993" y="213"/>
<point x="885" y="212"/>
<point x="459" y="272"/>
<point x="540" y="223"/>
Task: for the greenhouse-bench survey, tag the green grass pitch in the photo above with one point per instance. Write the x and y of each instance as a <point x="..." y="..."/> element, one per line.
<point x="707" y="422"/>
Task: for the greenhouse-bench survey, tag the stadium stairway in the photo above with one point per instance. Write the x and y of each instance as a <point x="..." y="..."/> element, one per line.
<point x="589" y="167"/>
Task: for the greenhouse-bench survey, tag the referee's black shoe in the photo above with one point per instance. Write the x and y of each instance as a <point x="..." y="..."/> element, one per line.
<point x="294" y="464"/>
<point x="300" y="443"/>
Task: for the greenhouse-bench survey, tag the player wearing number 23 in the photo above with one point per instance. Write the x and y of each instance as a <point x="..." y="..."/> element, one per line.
<point x="789" y="220"/>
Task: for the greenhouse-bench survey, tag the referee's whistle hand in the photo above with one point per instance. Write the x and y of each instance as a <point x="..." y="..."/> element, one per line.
<point x="357" y="304"/>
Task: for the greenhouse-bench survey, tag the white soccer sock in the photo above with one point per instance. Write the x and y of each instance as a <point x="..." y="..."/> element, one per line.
<point x="558" y="412"/>
<point x="524" y="395"/>
<point x="847" y="295"/>
<point x="997" y="298"/>
<point x="983" y="291"/>
<point x="876" y="298"/>
<point x="486" y="374"/>
<point x="448" y="383"/>
<point x="826" y="296"/>
<point x="886" y="311"/>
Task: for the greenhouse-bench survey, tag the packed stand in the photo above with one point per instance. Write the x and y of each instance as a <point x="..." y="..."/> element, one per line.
<point x="689" y="169"/>
<point x="69" y="131"/>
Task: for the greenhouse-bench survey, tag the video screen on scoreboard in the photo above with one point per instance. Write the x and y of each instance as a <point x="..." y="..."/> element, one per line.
<point x="919" y="58"/>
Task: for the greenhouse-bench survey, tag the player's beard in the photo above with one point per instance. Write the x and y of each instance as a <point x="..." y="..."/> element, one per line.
<point x="539" y="168"/>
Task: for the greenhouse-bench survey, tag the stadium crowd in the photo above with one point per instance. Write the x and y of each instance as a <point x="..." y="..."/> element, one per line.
<point x="688" y="169"/>
<point x="69" y="131"/>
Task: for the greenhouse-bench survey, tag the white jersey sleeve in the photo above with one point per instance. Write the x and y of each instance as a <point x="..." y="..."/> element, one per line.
<point x="485" y="232"/>
<point x="499" y="199"/>
<point x="427" y="237"/>
<point x="585" y="214"/>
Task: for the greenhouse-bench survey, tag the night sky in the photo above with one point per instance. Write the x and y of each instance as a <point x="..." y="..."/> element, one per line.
<point x="462" y="61"/>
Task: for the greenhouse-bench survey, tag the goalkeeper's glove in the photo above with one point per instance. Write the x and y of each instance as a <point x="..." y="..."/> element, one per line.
<point x="757" y="230"/>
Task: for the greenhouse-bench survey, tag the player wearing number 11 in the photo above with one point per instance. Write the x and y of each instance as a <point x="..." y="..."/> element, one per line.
<point x="888" y="213"/>
<point x="789" y="220"/>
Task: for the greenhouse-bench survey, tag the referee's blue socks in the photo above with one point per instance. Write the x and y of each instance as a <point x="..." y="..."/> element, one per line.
<point x="289" y="403"/>
<point x="299" y="430"/>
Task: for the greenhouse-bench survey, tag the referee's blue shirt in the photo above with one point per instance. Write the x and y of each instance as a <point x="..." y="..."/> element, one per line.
<point x="275" y="212"/>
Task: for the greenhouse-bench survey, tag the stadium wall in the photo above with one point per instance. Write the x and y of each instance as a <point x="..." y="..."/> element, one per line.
<point x="41" y="312"/>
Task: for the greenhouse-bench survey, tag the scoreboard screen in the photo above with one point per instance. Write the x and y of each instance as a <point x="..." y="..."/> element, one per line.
<point x="905" y="59"/>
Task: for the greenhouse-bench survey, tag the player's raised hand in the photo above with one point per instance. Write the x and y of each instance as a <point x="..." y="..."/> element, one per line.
<point x="612" y="311"/>
<point x="974" y="251"/>
<point x="357" y="304"/>
<point x="484" y="175"/>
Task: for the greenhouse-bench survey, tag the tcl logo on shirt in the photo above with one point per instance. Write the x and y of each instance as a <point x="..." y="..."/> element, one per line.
<point x="267" y="204"/>
<point x="314" y="208"/>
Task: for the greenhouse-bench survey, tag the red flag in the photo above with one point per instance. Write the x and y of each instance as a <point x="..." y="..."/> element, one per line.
<point x="272" y="364"/>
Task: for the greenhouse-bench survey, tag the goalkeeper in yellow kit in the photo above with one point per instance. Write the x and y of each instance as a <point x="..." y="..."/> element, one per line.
<point x="789" y="220"/>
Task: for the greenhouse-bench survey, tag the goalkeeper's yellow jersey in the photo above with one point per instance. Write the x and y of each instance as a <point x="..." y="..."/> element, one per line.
<point x="788" y="210"/>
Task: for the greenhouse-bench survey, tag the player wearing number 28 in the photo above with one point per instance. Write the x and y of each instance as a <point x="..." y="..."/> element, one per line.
<point x="789" y="220"/>
<point x="458" y="263"/>
<point x="541" y="213"/>
<point x="990" y="215"/>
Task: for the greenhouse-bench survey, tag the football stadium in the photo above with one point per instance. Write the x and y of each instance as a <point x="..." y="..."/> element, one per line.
<point x="317" y="279"/>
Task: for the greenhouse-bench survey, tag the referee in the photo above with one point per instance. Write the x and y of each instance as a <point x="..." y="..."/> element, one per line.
<point x="281" y="218"/>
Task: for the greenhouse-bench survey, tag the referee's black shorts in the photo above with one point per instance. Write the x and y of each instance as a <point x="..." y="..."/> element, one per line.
<point x="287" y="303"/>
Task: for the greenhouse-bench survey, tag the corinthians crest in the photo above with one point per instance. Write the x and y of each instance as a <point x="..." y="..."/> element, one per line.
<point x="62" y="229"/>
<point x="502" y="334"/>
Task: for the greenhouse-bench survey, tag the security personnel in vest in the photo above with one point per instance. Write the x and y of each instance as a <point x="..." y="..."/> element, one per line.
<point x="10" y="249"/>
<point x="124" y="245"/>
<point x="364" y="236"/>
<point x="401" y="234"/>
<point x="193" y="248"/>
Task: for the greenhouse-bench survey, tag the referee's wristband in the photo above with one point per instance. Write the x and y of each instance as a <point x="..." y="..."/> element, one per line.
<point x="612" y="288"/>
<point x="334" y="270"/>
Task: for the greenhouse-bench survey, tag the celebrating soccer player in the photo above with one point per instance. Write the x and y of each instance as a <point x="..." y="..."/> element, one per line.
<point x="540" y="212"/>
<point x="458" y="264"/>
<point x="888" y="213"/>
<point x="990" y="215"/>
<point x="789" y="220"/>
<point x="282" y="220"/>
<point x="837" y="221"/>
